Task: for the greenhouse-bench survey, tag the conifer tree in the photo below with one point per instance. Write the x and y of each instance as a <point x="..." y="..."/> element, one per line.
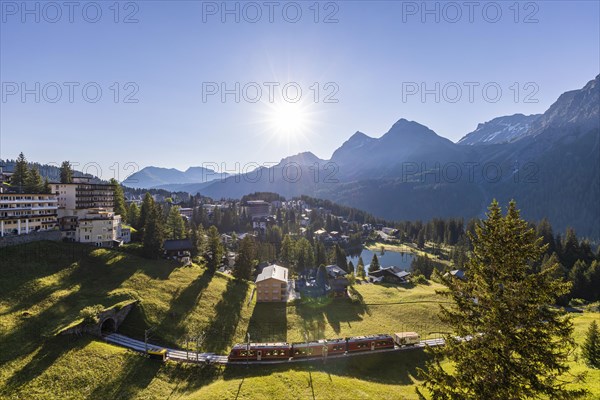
<point x="374" y="266"/>
<point x="175" y="224"/>
<point x="246" y="258"/>
<point x="119" y="200"/>
<point x="360" y="268"/>
<point x="215" y="249"/>
<point x="33" y="181"/>
<point x="153" y="233"/>
<point x="591" y="346"/>
<point x="66" y="172"/>
<point x="518" y="343"/>
<point x="19" y="177"/>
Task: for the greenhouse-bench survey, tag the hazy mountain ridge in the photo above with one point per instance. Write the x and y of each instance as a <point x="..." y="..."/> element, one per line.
<point x="157" y="177"/>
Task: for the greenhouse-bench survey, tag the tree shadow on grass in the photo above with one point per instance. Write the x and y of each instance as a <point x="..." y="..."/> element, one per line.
<point x="49" y="352"/>
<point x="136" y="375"/>
<point x="268" y="323"/>
<point x="221" y="330"/>
<point x="335" y="311"/>
<point x="179" y="308"/>
<point x="398" y="368"/>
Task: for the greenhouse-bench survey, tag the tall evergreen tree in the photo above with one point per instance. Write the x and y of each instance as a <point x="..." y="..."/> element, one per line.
<point x="214" y="248"/>
<point x="321" y="276"/>
<point x="153" y="234"/>
<point x="591" y="346"/>
<point x="340" y="258"/>
<point x="360" y="268"/>
<point x="34" y="182"/>
<point x="133" y="216"/>
<point x="47" y="187"/>
<point x="287" y="252"/>
<point x="147" y="205"/>
<point x="519" y="343"/>
<point x="374" y="266"/>
<point x="175" y="224"/>
<point x="20" y="175"/>
<point x="66" y="172"/>
<point x="119" y="206"/>
<point x="246" y="258"/>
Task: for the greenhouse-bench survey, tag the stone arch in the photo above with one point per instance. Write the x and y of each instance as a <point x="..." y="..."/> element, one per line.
<point x="108" y="326"/>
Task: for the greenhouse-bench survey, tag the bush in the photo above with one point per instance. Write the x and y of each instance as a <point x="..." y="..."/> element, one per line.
<point x="419" y="279"/>
<point x="90" y="314"/>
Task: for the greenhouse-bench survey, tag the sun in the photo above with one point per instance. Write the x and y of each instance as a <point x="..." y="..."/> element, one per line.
<point x="288" y="118"/>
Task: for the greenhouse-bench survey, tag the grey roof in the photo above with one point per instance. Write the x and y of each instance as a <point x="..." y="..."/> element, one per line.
<point x="180" y="244"/>
<point x="335" y="271"/>
<point x="397" y="271"/>
<point x="273" y="271"/>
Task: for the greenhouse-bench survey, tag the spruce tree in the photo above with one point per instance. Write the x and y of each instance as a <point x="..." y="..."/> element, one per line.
<point x="18" y="180"/>
<point x="33" y="182"/>
<point x="518" y="343"/>
<point x="133" y="216"/>
<point x="360" y="268"/>
<point x="340" y="258"/>
<point x="215" y="249"/>
<point x="47" y="188"/>
<point x="246" y="258"/>
<point x="153" y="234"/>
<point x="374" y="266"/>
<point x="119" y="200"/>
<point x="591" y="346"/>
<point x="287" y="252"/>
<point x="147" y="206"/>
<point x="66" y="172"/>
<point x="175" y="224"/>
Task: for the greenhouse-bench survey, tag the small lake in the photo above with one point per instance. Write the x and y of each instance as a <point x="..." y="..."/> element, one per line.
<point x="387" y="259"/>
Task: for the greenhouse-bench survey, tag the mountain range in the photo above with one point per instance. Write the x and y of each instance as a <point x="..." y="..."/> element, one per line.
<point x="549" y="163"/>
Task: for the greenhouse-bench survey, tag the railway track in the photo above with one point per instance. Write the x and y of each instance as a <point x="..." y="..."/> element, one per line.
<point x="179" y="355"/>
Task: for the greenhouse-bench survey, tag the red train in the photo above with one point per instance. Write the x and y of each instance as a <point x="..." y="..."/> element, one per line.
<point x="316" y="349"/>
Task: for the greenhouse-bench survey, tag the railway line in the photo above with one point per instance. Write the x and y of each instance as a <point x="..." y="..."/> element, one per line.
<point x="179" y="355"/>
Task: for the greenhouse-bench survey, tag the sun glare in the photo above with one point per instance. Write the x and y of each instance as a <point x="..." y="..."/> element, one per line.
<point x="288" y="118"/>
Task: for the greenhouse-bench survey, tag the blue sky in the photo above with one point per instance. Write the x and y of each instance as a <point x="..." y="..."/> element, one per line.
<point x="368" y="61"/>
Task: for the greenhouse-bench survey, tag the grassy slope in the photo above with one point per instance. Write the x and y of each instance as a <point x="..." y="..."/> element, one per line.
<point x="45" y="285"/>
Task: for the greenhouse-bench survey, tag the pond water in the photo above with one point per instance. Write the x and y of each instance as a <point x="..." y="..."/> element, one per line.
<point x="387" y="259"/>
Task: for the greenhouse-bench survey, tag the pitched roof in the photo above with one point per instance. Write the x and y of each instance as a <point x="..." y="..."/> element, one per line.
<point x="335" y="271"/>
<point x="397" y="271"/>
<point x="179" y="244"/>
<point x="273" y="271"/>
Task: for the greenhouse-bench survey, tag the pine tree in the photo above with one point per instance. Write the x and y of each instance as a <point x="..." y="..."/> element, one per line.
<point x="519" y="343"/>
<point x="360" y="268"/>
<point x="246" y="261"/>
<point x="350" y="267"/>
<point x="374" y="266"/>
<point x="19" y="177"/>
<point x="146" y="208"/>
<point x="33" y="182"/>
<point x="197" y="238"/>
<point x="322" y="276"/>
<point x="215" y="249"/>
<point x="47" y="188"/>
<point x="591" y="346"/>
<point x="340" y="258"/>
<point x="66" y="172"/>
<point x="153" y="233"/>
<point x="175" y="224"/>
<point x="133" y="216"/>
<point x="305" y="256"/>
<point x="287" y="252"/>
<point x="119" y="200"/>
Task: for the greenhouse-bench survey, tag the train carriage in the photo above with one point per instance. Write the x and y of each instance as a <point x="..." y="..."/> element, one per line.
<point x="336" y="346"/>
<point x="310" y="349"/>
<point x="260" y="352"/>
<point x="370" y="343"/>
<point x="406" y="338"/>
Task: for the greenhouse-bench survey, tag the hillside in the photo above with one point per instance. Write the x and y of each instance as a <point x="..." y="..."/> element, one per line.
<point x="48" y="283"/>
